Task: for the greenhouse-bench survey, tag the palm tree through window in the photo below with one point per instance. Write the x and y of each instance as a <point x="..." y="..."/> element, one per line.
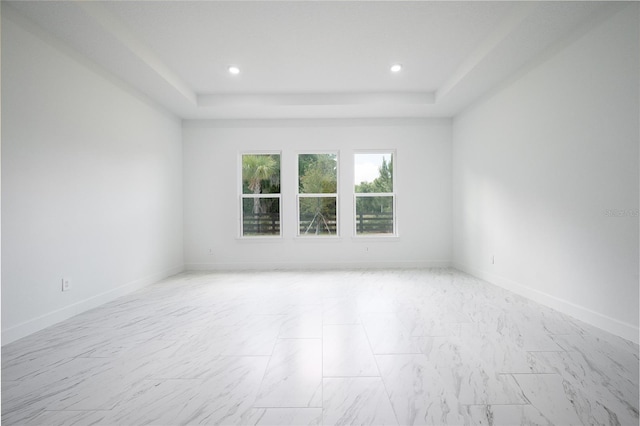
<point x="260" y="195"/>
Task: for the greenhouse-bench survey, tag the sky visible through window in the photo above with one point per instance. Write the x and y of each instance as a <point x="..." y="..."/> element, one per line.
<point x="367" y="166"/>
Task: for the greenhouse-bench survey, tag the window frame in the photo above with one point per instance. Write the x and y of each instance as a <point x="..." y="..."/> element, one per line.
<point x="242" y="196"/>
<point x="317" y="195"/>
<point x="393" y="195"/>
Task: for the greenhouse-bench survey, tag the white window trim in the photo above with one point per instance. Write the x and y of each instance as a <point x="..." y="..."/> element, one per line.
<point x="335" y="195"/>
<point x="394" y="234"/>
<point x="242" y="196"/>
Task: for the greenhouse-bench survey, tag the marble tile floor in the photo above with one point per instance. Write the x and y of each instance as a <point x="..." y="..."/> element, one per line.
<point x="405" y="347"/>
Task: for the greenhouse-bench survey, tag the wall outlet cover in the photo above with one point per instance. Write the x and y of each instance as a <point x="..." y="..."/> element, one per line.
<point x="66" y="284"/>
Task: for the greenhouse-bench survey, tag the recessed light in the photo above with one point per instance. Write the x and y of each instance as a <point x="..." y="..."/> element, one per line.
<point x="234" y="70"/>
<point x="396" y="68"/>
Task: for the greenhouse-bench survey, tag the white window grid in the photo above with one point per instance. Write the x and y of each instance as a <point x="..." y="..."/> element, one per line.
<point x="318" y="195"/>
<point x="392" y="194"/>
<point x="243" y="196"/>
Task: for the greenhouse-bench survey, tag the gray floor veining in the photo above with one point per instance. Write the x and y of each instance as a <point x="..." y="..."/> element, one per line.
<point x="407" y="347"/>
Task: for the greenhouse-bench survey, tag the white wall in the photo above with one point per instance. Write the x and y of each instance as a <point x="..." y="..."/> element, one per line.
<point x="538" y="168"/>
<point x="91" y="186"/>
<point x="423" y="179"/>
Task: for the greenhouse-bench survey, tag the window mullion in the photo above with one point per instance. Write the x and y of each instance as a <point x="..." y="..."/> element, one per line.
<point x="260" y="198"/>
<point x="317" y="198"/>
<point x="375" y="212"/>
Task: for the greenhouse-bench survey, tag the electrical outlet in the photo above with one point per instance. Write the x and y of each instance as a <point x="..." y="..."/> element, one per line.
<point x="66" y="284"/>
<point x="493" y="260"/>
<point x="210" y="252"/>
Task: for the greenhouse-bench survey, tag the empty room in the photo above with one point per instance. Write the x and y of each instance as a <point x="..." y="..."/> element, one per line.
<point x="320" y="212"/>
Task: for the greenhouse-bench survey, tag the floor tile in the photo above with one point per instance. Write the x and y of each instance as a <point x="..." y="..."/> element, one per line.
<point x="503" y="354"/>
<point x="255" y="335"/>
<point x="69" y="418"/>
<point x="166" y="402"/>
<point x="350" y="401"/>
<point x="375" y="303"/>
<point x="103" y="388"/>
<point x="388" y="335"/>
<point x="223" y="396"/>
<point x="603" y="349"/>
<point x="346" y="352"/>
<point x="54" y="389"/>
<point x="294" y="375"/>
<point x="506" y="415"/>
<point x="428" y="323"/>
<point x="417" y="391"/>
<point x="546" y="392"/>
<point x="598" y="393"/>
<point x="307" y="324"/>
<point x="340" y="311"/>
<point x="473" y="380"/>
<point x="429" y="346"/>
<point x="285" y="416"/>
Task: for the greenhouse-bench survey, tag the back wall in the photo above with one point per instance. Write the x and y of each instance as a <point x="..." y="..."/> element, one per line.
<point x="423" y="180"/>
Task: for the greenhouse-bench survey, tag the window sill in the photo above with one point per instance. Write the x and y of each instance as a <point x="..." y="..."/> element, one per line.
<point x="375" y="237"/>
<point x="314" y="239"/>
<point x="262" y="239"/>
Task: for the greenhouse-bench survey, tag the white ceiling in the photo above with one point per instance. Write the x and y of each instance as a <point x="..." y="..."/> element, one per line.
<point x="311" y="58"/>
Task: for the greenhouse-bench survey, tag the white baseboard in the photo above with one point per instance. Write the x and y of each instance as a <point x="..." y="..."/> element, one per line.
<point x="297" y="266"/>
<point x="589" y="316"/>
<point x="31" y="326"/>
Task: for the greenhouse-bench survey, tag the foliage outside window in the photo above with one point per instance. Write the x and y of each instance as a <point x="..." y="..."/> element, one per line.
<point x="317" y="194"/>
<point x="374" y="194"/>
<point x="260" y="197"/>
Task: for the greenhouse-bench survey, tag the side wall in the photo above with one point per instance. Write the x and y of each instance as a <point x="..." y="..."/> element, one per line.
<point x="545" y="187"/>
<point x="91" y="185"/>
<point x="423" y="180"/>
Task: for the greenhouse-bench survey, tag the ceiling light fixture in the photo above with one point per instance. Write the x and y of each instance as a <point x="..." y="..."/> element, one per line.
<point x="396" y="68"/>
<point x="234" y="70"/>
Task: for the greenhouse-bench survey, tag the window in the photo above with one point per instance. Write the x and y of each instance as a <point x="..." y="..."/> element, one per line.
<point x="260" y="199"/>
<point x="374" y="194"/>
<point x="317" y="194"/>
